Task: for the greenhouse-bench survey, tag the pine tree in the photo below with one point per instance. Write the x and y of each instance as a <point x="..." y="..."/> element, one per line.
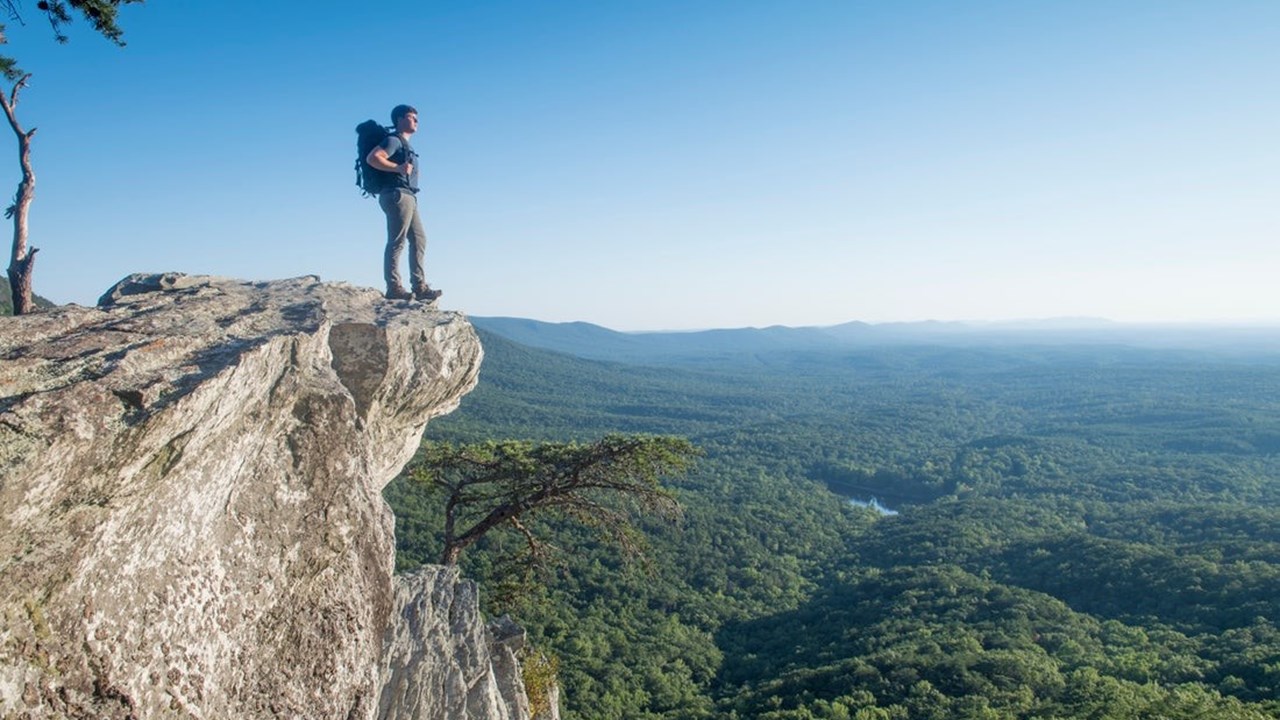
<point x="493" y="484"/>
<point x="102" y="15"/>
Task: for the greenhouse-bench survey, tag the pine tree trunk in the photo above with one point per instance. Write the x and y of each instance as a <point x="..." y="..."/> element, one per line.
<point x="450" y="555"/>
<point x="21" y="259"/>
<point x="20" y="285"/>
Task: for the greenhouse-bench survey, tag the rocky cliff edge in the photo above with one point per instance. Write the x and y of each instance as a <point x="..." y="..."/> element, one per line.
<point x="191" y="519"/>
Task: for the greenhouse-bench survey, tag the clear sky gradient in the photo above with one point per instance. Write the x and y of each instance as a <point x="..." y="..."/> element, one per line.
<point x="667" y="165"/>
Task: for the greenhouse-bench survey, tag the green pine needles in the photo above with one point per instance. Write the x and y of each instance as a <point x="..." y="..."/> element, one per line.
<point x="101" y="14"/>
<point x="604" y="485"/>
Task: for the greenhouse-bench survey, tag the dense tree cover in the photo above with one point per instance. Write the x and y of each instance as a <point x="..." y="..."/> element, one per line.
<point x="1085" y="532"/>
<point x="937" y="642"/>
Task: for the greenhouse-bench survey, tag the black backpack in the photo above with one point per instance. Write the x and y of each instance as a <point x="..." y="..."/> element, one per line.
<point x="370" y="180"/>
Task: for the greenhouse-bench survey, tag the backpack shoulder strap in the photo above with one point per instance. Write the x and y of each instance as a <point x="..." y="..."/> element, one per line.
<point x="408" y="149"/>
<point x="411" y="156"/>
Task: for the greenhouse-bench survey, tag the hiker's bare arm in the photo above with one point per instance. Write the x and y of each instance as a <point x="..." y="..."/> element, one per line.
<point x="378" y="160"/>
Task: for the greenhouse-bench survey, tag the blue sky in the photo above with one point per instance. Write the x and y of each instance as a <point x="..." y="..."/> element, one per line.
<point x="669" y="165"/>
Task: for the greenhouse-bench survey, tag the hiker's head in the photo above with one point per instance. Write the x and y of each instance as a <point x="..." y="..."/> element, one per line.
<point x="404" y="117"/>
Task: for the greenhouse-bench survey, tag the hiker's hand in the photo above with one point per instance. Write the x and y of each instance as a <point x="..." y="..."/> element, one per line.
<point x="406" y="169"/>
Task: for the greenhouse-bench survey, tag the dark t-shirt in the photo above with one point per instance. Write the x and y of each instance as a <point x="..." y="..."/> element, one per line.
<point x="396" y="148"/>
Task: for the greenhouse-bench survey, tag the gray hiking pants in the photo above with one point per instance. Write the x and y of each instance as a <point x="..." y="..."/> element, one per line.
<point x="403" y="223"/>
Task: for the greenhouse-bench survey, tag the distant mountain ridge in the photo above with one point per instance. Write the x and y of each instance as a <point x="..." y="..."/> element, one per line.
<point x="600" y="343"/>
<point x="596" y="342"/>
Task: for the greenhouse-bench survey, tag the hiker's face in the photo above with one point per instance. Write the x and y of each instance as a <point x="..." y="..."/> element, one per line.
<point x="408" y="122"/>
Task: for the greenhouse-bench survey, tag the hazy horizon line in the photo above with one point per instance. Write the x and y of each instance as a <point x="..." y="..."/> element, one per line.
<point x="1057" y="322"/>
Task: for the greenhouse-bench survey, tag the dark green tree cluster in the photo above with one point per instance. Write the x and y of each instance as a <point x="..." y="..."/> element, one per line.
<point x="937" y="642"/>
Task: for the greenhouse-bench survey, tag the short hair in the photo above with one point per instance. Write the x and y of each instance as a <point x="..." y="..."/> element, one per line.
<point x="400" y="111"/>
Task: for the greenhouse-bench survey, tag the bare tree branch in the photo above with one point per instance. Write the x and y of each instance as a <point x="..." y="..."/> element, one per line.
<point x="21" y="259"/>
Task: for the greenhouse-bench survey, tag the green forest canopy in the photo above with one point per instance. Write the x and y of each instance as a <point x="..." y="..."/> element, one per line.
<point x="1084" y="532"/>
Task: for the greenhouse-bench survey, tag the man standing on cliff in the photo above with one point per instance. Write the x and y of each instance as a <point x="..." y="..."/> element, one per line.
<point x="399" y="200"/>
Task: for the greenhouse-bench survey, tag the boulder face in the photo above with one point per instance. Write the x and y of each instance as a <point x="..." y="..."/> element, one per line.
<point x="431" y="668"/>
<point x="191" y="518"/>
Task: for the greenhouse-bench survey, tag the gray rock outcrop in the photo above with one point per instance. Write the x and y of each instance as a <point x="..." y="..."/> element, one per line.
<point x="191" y="519"/>
<point x="432" y="669"/>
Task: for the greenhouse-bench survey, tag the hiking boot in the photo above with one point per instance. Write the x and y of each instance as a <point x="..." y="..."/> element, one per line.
<point x="426" y="294"/>
<point x="398" y="293"/>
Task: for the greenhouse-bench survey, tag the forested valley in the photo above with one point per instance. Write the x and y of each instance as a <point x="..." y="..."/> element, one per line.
<point x="1079" y="531"/>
